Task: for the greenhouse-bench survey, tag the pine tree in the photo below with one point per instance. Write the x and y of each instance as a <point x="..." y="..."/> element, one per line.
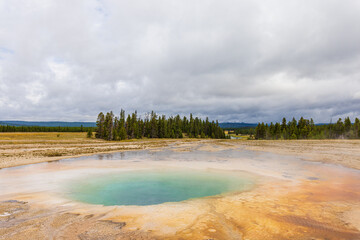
<point x="347" y="124"/>
<point x="100" y="126"/>
<point x="122" y="133"/>
<point x="357" y="128"/>
<point x="283" y="124"/>
<point x="89" y="133"/>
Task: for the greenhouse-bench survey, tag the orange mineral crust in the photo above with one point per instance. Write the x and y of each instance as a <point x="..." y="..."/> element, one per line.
<point x="290" y="199"/>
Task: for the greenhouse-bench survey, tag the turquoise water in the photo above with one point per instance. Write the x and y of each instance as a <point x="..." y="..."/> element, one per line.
<point x="154" y="187"/>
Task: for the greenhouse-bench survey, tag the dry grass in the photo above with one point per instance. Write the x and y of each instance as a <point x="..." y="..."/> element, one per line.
<point x="41" y="136"/>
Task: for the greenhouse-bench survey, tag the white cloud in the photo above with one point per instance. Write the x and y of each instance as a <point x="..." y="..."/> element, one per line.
<point x="34" y="92"/>
<point x="232" y="60"/>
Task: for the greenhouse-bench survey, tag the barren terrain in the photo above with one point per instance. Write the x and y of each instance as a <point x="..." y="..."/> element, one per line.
<point x="294" y="199"/>
<point x="26" y="148"/>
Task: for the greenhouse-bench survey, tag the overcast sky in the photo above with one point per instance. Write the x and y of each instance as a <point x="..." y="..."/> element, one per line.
<point x="244" y="61"/>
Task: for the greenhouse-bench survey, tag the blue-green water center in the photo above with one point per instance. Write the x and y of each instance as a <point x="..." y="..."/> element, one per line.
<point x="154" y="187"/>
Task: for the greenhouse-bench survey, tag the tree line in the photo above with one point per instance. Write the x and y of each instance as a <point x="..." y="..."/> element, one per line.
<point x="306" y="129"/>
<point x="110" y="127"/>
<point x="7" y="128"/>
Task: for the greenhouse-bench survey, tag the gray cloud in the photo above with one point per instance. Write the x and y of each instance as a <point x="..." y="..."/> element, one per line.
<point x="230" y="60"/>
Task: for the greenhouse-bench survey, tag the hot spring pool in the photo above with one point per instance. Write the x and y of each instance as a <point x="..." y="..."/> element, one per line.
<point x="154" y="187"/>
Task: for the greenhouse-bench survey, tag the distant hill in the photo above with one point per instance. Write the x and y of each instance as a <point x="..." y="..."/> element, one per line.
<point x="236" y="125"/>
<point x="48" y="124"/>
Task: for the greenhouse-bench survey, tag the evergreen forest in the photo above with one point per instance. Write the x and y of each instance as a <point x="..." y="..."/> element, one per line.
<point x="110" y="127"/>
<point x="306" y="129"/>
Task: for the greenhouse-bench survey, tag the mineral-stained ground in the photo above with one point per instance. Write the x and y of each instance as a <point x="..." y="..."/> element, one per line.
<point x="303" y="190"/>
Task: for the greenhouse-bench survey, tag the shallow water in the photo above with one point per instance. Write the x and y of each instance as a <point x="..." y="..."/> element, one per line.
<point x="52" y="177"/>
<point x="153" y="187"/>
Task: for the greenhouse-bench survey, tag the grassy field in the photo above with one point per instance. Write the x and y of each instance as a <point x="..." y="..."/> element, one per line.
<point x="43" y="136"/>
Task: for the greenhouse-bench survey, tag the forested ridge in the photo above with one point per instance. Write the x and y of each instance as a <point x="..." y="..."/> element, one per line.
<point x="7" y="128"/>
<point x="110" y="127"/>
<point x="306" y="129"/>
